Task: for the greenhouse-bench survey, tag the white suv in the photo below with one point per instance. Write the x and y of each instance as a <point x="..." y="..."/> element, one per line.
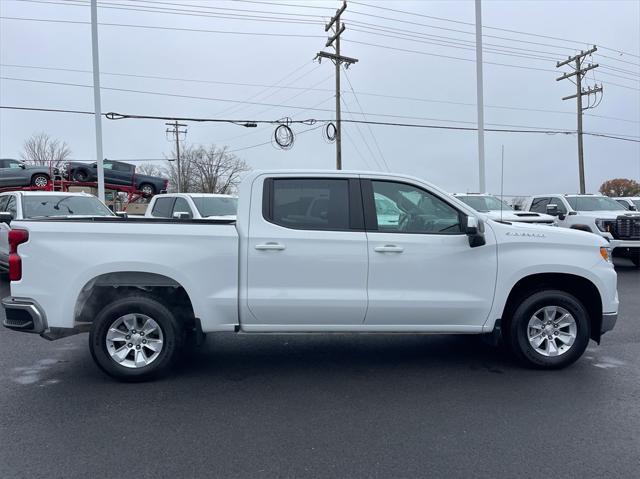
<point x="597" y="214"/>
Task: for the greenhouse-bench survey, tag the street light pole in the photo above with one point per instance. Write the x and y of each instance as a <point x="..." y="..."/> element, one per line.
<point x="97" y="104"/>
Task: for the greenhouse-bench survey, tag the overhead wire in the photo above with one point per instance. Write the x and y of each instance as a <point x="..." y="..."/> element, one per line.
<point x="292" y="107"/>
<point x="112" y="115"/>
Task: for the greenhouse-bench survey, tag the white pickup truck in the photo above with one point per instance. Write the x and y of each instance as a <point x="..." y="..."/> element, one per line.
<point x="146" y="288"/>
<point x="596" y="214"/>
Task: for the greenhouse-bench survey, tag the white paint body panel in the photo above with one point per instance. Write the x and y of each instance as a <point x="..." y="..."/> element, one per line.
<point x="322" y="280"/>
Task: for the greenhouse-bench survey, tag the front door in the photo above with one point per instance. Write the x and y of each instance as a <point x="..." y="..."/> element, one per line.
<point x="422" y="270"/>
<point x="306" y="254"/>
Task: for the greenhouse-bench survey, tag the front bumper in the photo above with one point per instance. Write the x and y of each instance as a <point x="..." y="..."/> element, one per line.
<point x="26" y="315"/>
<point x="616" y="243"/>
<point x="608" y="322"/>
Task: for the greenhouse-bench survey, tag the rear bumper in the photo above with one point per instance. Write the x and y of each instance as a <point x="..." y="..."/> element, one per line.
<point x="26" y="315"/>
<point x="608" y="322"/>
<point x="23" y="314"/>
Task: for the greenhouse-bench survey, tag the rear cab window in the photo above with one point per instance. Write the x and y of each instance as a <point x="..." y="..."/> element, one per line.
<point x="332" y="204"/>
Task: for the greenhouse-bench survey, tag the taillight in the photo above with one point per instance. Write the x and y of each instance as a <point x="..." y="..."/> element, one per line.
<point x="16" y="238"/>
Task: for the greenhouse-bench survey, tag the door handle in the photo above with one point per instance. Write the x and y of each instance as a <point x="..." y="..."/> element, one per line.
<point x="270" y="247"/>
<point x="389" y="248"/>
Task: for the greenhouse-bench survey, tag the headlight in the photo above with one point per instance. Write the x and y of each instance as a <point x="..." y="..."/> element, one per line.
<point x="604" y="225"/>
<point x="605" y="253"/>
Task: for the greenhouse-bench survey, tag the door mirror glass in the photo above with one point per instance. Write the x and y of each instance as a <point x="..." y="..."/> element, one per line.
<point x="472" y="225"/>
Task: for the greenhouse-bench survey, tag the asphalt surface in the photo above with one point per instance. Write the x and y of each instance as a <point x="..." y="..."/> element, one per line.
<point x="326" y="406"/>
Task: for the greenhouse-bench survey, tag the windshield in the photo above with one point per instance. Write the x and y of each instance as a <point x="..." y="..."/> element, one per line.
<point x="42" y="206"/>
<point x="593" y="203"/>
<point x="216" y="206"/>
<point x="484" y="203"/>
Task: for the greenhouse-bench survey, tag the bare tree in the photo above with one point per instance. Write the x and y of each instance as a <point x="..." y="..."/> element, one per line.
<point x="207" y="170"/>
<point x="41" y="149"/>
<point x="150" y="169"/>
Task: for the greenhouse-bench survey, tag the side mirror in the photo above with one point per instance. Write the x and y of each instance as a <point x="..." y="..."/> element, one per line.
<point x="633" y="208"/>
<point x="475" y="231"/>
<point x="23" y="166"/>
<point x="552" y="209"/>
<point x="517" y="207"/>
<point x="182" y="215"/>
<point x="122" y="214"/>
<point x="6" y="217"/>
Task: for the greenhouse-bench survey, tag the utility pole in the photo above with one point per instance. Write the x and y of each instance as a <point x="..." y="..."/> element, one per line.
<point x="578" y="71"/>
<point x="97" y="104"/>
<point x="480" y="99"/>
<point x="176" y="132"/>
<point x="338" y="59"/>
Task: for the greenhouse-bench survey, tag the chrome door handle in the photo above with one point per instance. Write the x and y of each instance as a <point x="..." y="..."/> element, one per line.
<point x="270" y="247"/>
<point x="389" y="248"/>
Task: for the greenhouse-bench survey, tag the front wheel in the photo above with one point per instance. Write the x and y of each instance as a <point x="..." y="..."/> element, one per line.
<point x="135" y="338"/>
<point x="40" y="180"/>
<point x="549" y="330"/>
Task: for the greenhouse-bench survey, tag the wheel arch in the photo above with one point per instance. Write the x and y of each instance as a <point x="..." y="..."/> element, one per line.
<point x="105" y="288"/>
<point x="580" y="287"/>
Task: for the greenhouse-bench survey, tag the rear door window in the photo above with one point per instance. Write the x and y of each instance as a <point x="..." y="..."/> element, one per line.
<point x="162" y="207"/>
<point x="310" y="203"/>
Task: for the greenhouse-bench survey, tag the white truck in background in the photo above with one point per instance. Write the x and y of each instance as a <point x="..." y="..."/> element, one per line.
<point x="596" y="214"/>
<point x="193" y="206"/>
<point x="496" y="209"/>
<point x="146" y="288"/>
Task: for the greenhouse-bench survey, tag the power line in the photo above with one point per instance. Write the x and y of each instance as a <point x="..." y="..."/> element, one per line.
<point x="181" y="12"/>
<point x="375" y="141"/>
<point x="290" y="87"/>
<point x="293" y="107"/>
<point x="293" y="35"/>
<point x="311" y="121"/>
<point x="154" y="27"/>
<point x="488" y="27"/>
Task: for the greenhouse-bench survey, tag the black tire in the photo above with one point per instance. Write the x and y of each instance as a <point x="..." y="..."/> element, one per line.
<point x="40" y="180"/>
<point x="80" y="176"/>
<point x="518" y="329"/>
<point x="635" y="257"/>
<point x="147" y="189"/>
<point x="172" y="335"/>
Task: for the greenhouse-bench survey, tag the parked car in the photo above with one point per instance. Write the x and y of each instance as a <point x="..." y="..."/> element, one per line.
<point x="19" y="205"/>
<point x="145" y="289"/>
<point x="192" y="206"/>
<point x="116" y="173"/>
<point x="596" y="214"/>
<point x="496" y="209"/>
<point x="18" y="173"/>
<point x="631" y="203"/>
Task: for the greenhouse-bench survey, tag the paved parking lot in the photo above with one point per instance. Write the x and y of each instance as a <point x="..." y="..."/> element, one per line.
<point x="326" y="406"/>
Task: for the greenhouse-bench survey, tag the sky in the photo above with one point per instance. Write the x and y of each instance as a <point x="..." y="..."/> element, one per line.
<point x="416" y="65"/>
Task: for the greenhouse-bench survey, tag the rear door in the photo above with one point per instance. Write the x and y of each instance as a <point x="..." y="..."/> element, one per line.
<point x="422" y="270"/>
<point x="306" y="254"/>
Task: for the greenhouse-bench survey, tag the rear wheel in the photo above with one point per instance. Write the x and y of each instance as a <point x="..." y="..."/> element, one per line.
<point x="40" y="180"/>
<point x="80" y="175"/>
<point x="549" y="329"/>
<point x="135" y="338"/>
<point x="148" y="189"/>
